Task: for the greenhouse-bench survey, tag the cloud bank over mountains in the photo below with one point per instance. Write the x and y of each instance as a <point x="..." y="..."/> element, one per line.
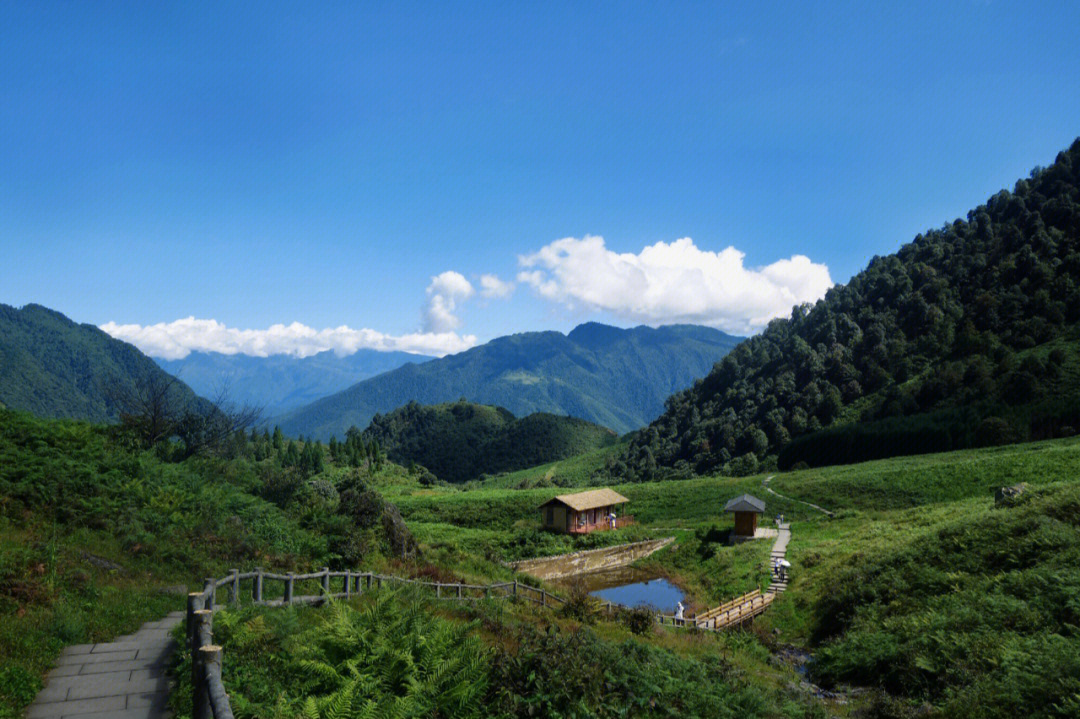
<point x="665" y="283"/>
<point x="674" y="282"/>
<point x="178" y="339"/>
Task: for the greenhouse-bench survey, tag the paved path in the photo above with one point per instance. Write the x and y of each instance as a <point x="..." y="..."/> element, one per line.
<point x="123" y="679"/>
<point x="779" y="549"/>
<point x="765" y="484"/>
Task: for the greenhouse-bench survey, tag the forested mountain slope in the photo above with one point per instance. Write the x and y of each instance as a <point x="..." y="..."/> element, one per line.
<point x="460" y="441"/>
<point x="54" y="367"/>
<point x="974" y="323"/>
<point x="614" y="377"/>
<point x="279" y="383"/>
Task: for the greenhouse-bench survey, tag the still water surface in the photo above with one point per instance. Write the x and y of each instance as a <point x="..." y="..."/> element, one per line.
<point x="631" y="587"/>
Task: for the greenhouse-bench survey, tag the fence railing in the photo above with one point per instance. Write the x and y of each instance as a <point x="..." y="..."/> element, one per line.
<point x="601" y="525"/>
<point x="728" y="614"/>
<point x="209" y="698"/>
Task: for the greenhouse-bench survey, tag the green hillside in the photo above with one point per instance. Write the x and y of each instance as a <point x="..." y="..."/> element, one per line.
<point x="967" y="336"/>
<point x="922" y="591"/>
<point x="614" y="377"/>
<point x="94" y="531"/>
<point x="461" y="440"/>
<point x="53" y="367"/>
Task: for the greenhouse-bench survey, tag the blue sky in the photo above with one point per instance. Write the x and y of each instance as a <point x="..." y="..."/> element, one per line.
<point x="353" y="164"/>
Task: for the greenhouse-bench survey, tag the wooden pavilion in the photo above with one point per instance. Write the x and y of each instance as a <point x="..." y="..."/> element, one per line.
<point x="746" y="508"/>
<point x="584" y="512"/>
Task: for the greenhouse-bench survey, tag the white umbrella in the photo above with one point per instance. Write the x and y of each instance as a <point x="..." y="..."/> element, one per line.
<point x="785" y="563"/>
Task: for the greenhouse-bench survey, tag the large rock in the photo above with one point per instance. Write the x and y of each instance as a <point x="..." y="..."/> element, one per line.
<point x="1008" y="495"/>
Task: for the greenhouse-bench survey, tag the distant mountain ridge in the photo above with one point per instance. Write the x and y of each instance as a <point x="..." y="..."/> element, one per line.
<point x="56" y="368"/>
<point x="618" y="378"/>
<point x="459" y="441"/>
<point x="280" y="383"/>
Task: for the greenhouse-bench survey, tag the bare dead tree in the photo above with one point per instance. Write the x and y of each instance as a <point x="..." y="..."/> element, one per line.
<point x="155" y="408"/>
<point x="210" y="428"/>
<point x="148" y="407"/>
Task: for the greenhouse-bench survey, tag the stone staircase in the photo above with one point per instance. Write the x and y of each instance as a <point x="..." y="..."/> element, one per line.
<point x="122" y="679"/>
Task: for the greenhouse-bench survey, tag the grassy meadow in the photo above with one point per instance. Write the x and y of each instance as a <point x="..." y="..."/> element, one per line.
<point x="921" y="592"/>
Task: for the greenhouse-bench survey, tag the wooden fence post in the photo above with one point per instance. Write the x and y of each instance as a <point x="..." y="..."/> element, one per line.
<point x="234" y="587"/>
<point x="347" y="584"/>
<point x="209" y="589"/>
<point x="515" y="588"/>
<point x="459" y="591"/>
<point x="288" y="589"/>
<point x="194" y="604"/>
<point x="256" y="586"/>
<point x="326" y="581"/>
<point x="200" y="700"/>
<point x="216" y="696"/>
<point x="438" y="590"/>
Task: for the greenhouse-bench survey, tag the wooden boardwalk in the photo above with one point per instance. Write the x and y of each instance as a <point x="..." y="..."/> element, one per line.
<point x="741" y="609"/>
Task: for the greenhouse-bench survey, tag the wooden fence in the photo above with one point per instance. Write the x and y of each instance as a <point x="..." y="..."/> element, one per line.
<point x="208" y="696"/>
<point x="208" y="692"/>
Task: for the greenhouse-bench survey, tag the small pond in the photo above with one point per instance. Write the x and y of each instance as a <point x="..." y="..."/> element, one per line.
<point x="630" y="587"/>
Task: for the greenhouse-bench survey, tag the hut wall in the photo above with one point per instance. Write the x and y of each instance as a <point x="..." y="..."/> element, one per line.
<point x="745" y="523"/>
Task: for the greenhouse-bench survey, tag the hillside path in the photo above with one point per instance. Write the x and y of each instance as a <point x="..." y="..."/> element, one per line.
<point x="121" y="679"/>
<point x="779" y="549"/>
<point x="765" y="484"/>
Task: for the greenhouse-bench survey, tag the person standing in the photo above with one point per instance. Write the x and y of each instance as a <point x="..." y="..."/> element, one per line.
<point x="679" y="611"/>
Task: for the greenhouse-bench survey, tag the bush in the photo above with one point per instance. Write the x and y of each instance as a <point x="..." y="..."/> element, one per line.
<point x="993" y="431"/>
<point x="639" y="620"/>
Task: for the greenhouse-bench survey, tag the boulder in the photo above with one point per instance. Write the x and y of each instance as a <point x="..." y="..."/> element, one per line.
<point x="1008" y="495"/>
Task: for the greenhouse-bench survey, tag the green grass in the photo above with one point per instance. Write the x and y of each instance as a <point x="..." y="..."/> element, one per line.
<point x="578" y="471"/>
<point x="903" y="482"/>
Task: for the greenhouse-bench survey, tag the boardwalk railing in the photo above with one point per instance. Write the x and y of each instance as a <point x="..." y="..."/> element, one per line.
<point x="208" y="692"/>
<point x="728" y="614"/>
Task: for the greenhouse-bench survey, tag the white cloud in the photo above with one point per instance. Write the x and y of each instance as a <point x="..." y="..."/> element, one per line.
<point x="491" y="286"/>
<point x="177" y="339"/>
<point x="672" y="282"/>
<point x="444" y="293"/>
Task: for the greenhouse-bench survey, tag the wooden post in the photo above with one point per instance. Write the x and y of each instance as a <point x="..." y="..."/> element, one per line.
<point x="200" y="700"/>
<point x="209" y="589"/>
<point x="326" y="581"/>
<point x="515" y="588"/>
<point x="347" y="584"/>
<point x="543" y="598"/>
<point x="459" y="591"/>
<point x="234" y="587"/>
<point x="194" y="604"/>
<point x="288" y="589"/>
<point x="438" y="590"/>
<point x="215" y="694"/>
<point x="256" y="586"/>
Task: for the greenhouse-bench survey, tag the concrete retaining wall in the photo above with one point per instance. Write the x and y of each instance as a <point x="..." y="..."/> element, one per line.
<point x="591" y="560"/>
